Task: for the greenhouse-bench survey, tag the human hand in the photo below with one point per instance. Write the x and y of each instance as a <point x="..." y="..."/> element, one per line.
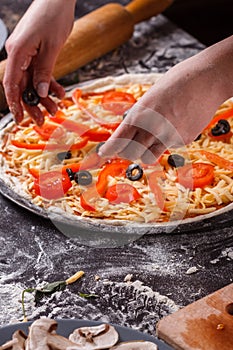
<point x="32" y="51"/>
<point x="176" y="109"/>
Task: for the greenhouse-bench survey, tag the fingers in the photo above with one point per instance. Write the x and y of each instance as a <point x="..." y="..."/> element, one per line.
<point x="118" y="141"/>
<point x="153" y="152"/>
<point x="12" y="84"/>
<point x="15" y="85"/>
<point x="42" y="70"/>
<point x="144" y="134"/>
<point x="57" y="89"/>
<point x="141" y="141"/>
<point x="35" y="113"/>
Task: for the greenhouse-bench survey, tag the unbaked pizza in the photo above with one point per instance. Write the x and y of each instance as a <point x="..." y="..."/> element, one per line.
<point x="57" y="166"/>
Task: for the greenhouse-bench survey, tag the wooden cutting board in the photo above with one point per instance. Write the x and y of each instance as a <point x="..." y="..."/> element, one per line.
<point x="207" y="324"/>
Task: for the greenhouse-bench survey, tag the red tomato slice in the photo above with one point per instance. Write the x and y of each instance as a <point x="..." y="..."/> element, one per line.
<point x="38" y="146"/>
<point x="66" y="102"/>
<point x="117" y="102"/>
<point x="32" y="146"/>
<point x="122" y="193"/>
<point x="155" y="188"/>
<point x="224" y="138"/>
<point x="217" y="160"/>
<point x="117" y="167"/>
<point x="91" y="161"/>
<point x="97" y="135"/>
<point x="82" y="106"/>
<point x="224" y="115"/>
<point x="48" y="130"/>
<point x="79" y="145"/>
<point x="88" y="198"/>
<point x="34" y="172"/>
<point x="68" y="124"/>
<point x="52" y="185"/>
<point x="195" y="175"/>
<point x="50" y="146"/>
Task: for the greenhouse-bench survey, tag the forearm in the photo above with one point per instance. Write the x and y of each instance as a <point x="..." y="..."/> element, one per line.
<point x="221" y="57"/>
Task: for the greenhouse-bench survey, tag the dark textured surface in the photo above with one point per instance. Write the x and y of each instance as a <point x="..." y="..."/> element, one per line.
<point x="159" y="279"/>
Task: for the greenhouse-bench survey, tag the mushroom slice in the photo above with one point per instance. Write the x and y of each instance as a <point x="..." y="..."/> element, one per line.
<point x="97" y="337"/>
<point x="38" y="332"/>
<point x="21" y="337"/>
<point x="17" y="342"/>
<point x="8" y="345"/>
<point x="135" y="345"/>
<point x="57" y="342"/>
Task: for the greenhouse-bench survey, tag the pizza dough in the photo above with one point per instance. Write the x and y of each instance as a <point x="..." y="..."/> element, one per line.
<point x="160" y="199"/>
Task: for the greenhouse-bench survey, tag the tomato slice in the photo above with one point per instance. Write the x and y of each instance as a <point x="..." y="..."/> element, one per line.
<point x="224" y="138"/>
<point x="88" y="198"/>
<point x="66" y="102"/>
<point x="32" y="146"/>
<point x="48" y="130"/>
<point x="122" y="193"/>
<point x="217" y="160"/>
<point x="224" y="115"/>
<point x="91" y="161"/>
<point x="80" y="144"/>
<point x="50" y="146"/>
<point x="38" y="146"/>
<point x="118" y="102"/>
<point x="117" y="167"/>
<point x="97" y="135"/>
<point x="34" y="172"/>
<point x="156" y="189"/>
<point x="52" y="185"/>
<point x="195" y="175"/>
<point x="82" y="106"/>
<point x="68" y="124"/>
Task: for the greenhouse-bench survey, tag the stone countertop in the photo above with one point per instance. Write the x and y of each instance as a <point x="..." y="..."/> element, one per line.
<point x="137" y="283"/>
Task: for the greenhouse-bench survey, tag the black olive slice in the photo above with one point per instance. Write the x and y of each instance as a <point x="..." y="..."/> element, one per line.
<point x="70" y="173"/>
<point x="30" y="97"/>
<point x="125" y="114"/>
<point x="221" y="128"/>
<point x="83" y="177"/>
<point x="98" y="146"/>
<point x="64" y="155"/>
<point x="175" y="160"/>
<point x="198" y="137"/>
<point x="134" y="172"/>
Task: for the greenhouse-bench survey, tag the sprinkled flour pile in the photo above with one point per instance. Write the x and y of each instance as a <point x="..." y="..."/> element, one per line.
<point x="130" y="304"/>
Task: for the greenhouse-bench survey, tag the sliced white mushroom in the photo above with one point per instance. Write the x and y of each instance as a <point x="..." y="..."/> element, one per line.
<point x="135" y="345"/>
<point x="57" y="342"/>
<point x="8" y="345"/>
<point x="21" y="337"/>
<point x="17" y="342"/>
<point x="38" y="331"/>
<point x="97" y="337"/>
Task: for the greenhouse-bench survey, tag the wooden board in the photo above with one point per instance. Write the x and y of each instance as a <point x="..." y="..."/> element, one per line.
<point x="207" y="324"/>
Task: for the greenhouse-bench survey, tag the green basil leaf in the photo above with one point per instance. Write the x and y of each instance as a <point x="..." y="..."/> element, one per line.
<point x="49" y="289"/>
<point x="53" y="287"/>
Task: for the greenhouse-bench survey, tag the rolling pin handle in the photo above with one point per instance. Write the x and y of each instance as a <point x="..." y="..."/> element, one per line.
<point x="142" y="10"/>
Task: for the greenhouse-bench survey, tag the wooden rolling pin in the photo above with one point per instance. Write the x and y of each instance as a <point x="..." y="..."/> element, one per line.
<point x="97" y="33"/>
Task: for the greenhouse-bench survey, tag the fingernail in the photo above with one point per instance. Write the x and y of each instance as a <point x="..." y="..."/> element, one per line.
<point x="42" y="89"/>
<point x="53" y="110"/>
